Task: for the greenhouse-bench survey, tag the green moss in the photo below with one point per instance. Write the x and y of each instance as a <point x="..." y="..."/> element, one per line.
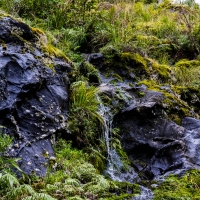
<point x="176" y="118"/>
<point x="124" y="158"/>
<point x="125" y="64"/>
<point x="184" y="188"/>
<point x="187" y="63"/>
<point x="187" y="74"/>
<point x="174" y="106"/>
<point x="53" y="51"/>
<point x="162" y="70"/>
<point x="123" y="190"/>
<point x="37" y="31"/>
<point x="141" y="67"/>
<point x="98" y="161"/>
<point x="90" y="72"/>
<point x="135" y="60"/>
<point x="121" y="197"/>
<point x="141" y="94"/>
<point x="151" y="84"/>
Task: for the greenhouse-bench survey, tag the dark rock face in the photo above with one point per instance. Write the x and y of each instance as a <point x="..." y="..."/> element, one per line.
<point x="96" y="59"/>
<point x="33" y="99"/>
<point x="155" y="145"/>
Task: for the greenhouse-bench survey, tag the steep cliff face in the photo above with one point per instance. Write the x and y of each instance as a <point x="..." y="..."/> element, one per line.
<point x="33" y="98"/>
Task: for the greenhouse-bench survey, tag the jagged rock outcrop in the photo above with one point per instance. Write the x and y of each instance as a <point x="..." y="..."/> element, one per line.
<point x="155" y="145"/>
<point x="33" y="99"/>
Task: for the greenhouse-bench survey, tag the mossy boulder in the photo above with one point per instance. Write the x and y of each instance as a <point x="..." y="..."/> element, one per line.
<point x="133" y="67"/>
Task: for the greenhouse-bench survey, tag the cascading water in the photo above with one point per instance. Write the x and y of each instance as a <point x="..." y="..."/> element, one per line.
<point x="114" y="161"/>
<point x="146" y="194"/>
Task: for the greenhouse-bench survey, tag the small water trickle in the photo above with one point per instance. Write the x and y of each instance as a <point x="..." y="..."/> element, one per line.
<point x="146" y="194"/>
<point x="114" y="161"/>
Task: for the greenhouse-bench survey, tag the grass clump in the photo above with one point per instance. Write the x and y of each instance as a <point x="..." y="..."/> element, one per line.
<point x="187" y="73"/>
<point x="84" y="119"/>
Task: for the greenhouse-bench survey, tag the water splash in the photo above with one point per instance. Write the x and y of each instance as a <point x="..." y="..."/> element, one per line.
<point x="145" y="194"/>
<point x="114" y="161"/>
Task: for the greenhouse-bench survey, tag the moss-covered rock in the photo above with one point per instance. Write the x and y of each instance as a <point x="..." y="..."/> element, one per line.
<point x="90" y="72"/>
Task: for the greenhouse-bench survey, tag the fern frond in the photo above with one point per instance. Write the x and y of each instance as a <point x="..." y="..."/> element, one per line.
<point x="21" y="191"/>
<point x="75" y="198"/>
<point x="51" y="187"/>
<point x="8" y="180"/>
<point x="70" y="190"/>
<point x="71" y="181"/>
<point x="39" y="196"/>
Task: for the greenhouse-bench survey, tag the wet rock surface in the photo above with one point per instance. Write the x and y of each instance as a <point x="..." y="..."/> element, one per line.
<point x="33" y="99"/>
<point x="155" y="145"/>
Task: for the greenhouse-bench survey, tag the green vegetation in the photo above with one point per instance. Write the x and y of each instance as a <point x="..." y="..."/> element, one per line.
<point x="73" y="178"/>
<point x="187" y="73"/>
<point x="164" y="32"/>
<point x="84" y="119"/>
<point x="157" y="45"/>
<point x="184" y="188"/>
<point x="5" y="162"/>
<point x="10" y="186"/>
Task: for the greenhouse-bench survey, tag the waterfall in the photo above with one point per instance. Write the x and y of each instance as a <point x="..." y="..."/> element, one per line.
<point x="114" y="161"/>
<point x="145" y="194"/>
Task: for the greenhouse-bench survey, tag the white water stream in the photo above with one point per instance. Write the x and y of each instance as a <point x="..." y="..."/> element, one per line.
<point x="114" y="161"/>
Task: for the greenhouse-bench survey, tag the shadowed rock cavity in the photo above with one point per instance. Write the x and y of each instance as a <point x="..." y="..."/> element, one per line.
<point x="33" y="99"/>
<point x="155" y="145"/>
